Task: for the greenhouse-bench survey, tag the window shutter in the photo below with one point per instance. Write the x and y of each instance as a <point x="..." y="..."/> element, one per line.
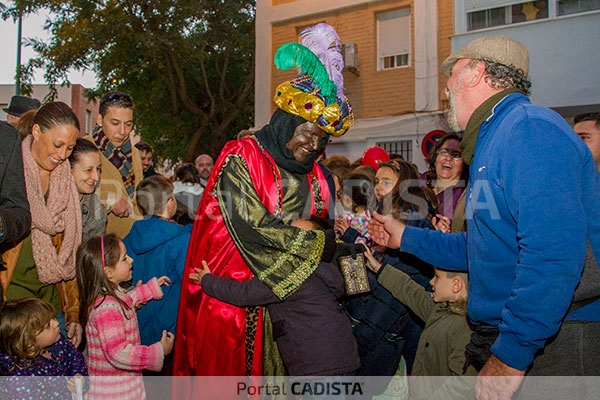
<point x="394" y="32"/>
<point x="478" y="5"/>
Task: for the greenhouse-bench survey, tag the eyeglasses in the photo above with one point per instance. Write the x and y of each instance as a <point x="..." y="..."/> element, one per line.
<point x="457" y="155"/>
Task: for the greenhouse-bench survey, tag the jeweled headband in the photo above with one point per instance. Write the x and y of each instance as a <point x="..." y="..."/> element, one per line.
<point x="317" y="94"/>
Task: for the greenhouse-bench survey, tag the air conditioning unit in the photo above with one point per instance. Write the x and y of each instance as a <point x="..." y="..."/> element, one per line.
<point x="350" y="53"/>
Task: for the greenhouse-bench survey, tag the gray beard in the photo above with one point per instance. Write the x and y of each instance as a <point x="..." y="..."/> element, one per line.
<point x="452" y="121"/>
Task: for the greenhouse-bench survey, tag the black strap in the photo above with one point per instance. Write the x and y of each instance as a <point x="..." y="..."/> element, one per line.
<point x="478" y="350"/>
<point x="582" y="303"/>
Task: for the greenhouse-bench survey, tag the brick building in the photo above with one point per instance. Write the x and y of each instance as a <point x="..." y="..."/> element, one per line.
<point x="393" y="52"/>
<point x="87" y="112"/>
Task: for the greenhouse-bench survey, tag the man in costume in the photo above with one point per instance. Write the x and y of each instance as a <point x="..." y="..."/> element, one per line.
<point x="259" y="184"/>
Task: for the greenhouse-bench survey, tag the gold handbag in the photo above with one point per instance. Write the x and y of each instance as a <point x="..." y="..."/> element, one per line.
<point x="355" y="275"/>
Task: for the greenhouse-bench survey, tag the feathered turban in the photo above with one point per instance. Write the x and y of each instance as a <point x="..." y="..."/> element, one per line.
<point x="317" y="93"/>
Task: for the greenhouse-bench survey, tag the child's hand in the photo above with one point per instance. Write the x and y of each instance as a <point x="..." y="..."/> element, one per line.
<point x="340" y="226"/>
<point x="200" y="272"/>
<point x="74" y="333"/>
<point x="442" y="223"/>
<point x="372" y="263"/>
<point x="167" y="342"/>
<point x="138" y="306"/>
<point x="164" y="280"/>
<point x="72" y="383"/>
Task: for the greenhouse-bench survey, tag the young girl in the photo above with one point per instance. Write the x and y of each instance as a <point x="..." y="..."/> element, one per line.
<point x="398" y="192"/>
<point x="31" y="345"/>
<point x="357" y="197"/>
<point x="115" y="356"/>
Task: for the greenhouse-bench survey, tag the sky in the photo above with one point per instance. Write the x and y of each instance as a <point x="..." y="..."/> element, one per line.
<point x="32" y="27"/>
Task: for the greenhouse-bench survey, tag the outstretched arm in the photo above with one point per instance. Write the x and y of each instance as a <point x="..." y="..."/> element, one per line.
<point x="241" y="294"/>
<point x="386" y="230"/>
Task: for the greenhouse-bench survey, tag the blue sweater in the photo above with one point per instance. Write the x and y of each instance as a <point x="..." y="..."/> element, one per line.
<point x="158" y="248"/>
<point x="531" y="202"/>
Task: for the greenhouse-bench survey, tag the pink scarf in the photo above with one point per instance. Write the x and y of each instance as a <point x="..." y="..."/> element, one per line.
<point x="60" y="213"/>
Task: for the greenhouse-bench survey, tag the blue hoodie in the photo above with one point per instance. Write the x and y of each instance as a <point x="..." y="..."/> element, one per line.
<point x="158" y="248"/>
<point x="531" y="202"/>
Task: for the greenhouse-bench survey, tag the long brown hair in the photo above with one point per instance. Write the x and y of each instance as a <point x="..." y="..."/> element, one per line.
<point x="21" y="321"/>
<point x="91" y="278"/>
<point x="407" y="193"/>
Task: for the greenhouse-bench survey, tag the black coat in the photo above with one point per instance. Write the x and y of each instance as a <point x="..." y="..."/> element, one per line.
<point x="312" y="332"/>
<point x="14" y="206"/>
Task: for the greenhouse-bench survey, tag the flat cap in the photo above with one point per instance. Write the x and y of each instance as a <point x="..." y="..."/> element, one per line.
<point x="500" y="49"/>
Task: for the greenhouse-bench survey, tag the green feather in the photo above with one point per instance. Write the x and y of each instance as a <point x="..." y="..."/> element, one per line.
<point x="295" y="55"/>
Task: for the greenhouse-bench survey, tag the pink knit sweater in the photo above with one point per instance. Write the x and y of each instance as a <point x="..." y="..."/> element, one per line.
<point x="115" y="357"/>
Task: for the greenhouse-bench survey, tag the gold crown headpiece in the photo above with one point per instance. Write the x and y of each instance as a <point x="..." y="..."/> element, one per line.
<point x="317" y="94"/>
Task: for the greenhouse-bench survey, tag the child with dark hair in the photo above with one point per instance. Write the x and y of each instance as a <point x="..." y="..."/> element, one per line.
<point x="115" y="355"/>
<point x="357" y="198"/>
<point x="330" y="349"/>
<point x="31" y="345"/>
<point x="187" y="188"/>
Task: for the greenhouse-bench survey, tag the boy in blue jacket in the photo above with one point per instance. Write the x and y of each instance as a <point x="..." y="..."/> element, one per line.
<point x="157" y="246"/>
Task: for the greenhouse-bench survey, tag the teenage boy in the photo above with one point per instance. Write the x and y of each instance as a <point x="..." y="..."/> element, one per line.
<point x="121" y="162"/>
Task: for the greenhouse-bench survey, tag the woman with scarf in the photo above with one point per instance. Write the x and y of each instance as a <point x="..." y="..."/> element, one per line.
<point x="258" y="185"/>
<point x="44" y="262"/>
<point x="447" y="176"/>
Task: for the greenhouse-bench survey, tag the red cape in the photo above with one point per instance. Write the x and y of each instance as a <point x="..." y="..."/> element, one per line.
<point x="211" y="335"/>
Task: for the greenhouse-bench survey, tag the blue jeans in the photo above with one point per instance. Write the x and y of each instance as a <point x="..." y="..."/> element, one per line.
<point x="60" y="317"/>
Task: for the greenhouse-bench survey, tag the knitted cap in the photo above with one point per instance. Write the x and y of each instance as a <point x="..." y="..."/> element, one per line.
<point x="500" y="49"/>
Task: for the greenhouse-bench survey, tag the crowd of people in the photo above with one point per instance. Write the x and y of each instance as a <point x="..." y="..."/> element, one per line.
<point x="483" y="265"/>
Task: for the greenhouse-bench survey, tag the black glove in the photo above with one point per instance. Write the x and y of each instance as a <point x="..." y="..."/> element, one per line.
<point x="348" y="249"/>
<point x="329" y="248"/>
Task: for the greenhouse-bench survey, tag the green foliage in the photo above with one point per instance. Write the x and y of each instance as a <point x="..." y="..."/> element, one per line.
<point x="189" y="64"/>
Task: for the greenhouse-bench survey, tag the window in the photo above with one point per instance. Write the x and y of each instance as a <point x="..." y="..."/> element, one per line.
<point x="402" y="147"/>
<point x="566" y="7"/>
<point x="481" y="16"/>
<point x="88" y="121"/>
<point x="393" y="35"/>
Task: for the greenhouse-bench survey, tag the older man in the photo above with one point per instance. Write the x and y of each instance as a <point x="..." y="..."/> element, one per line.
<point x="121" y="162"/>
<point x="204" y="165"/>
<point x="18" y="106"/>
<point x="528" y="217"/>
